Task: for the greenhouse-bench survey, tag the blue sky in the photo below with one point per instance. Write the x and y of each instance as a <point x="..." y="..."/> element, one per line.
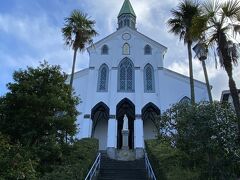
<point x="30" y="31"/>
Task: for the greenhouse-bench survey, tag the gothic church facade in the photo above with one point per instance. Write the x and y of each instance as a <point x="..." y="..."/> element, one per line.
<point x="126" y="75"/>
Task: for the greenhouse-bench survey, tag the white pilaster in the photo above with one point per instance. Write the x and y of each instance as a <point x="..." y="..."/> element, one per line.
<point x="138" y="133"/>
<point x="139" y="90"/>
<point x="112" y="86"/>
<point x="112" y="133"/>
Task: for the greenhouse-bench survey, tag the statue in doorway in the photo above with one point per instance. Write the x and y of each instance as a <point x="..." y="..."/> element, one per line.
<point x="125" y="133"/>
<point x="125" y="123"/>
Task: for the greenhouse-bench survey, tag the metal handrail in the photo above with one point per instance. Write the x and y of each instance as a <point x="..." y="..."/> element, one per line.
<point x="96" y="166"/>
<point x="149" y="169"/>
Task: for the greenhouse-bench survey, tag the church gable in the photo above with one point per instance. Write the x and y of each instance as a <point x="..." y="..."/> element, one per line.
<point x="126" y="42"/>
<point x="127" y="35"/>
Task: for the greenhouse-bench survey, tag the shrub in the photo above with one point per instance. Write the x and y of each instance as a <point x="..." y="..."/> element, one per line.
<point x="15" y="161"/>
<point x="77" y="161"/>
<point x="169" y="162"/>
<point x="198" y="140"/>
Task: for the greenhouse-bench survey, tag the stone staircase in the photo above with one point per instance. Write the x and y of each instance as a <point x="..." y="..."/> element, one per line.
<point x="121" y="170"/>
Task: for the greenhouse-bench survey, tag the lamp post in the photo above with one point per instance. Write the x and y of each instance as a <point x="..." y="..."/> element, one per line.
<point x="201" y="52"/>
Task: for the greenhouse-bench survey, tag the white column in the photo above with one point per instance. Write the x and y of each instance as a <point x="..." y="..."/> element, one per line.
<point x="139" y="91"/>
<point x="112" y="138"/>
<point x="138" y="133"/>
<point x="139" y="140"/>
<point x="111" y="134"/>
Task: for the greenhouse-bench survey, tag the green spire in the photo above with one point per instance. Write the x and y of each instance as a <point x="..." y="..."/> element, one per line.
<point x="127" y="9"/>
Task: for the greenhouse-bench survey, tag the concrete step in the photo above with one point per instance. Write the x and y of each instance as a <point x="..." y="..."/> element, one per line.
<point x="121" y="170"/>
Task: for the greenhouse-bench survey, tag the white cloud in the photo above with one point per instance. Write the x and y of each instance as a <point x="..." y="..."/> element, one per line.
<point x="45" y="38"/>
<point x="39" y="34"/>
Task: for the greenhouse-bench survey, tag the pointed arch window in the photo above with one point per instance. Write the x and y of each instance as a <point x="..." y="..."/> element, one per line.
<point x="105" y="49"/>
<point x="126" y="76"/>
<point x="103" y="78"/>
<point x="185" y="100"/>
<point x="149" y="85"/>
<point x="147" y="50"/>
<point x="126" y="49"/>
<point x="120" y="24"/>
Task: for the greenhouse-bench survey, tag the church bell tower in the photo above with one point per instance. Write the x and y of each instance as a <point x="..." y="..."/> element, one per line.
<point x="127" y="16"/>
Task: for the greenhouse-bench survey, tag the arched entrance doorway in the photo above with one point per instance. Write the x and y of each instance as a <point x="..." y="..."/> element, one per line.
<point x="149" y="112"/>
<point x="125" y="106"/>
<point x="100" y="116"/>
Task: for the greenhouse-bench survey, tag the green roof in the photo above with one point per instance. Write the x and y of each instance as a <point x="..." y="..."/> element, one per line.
<point x="126" y="9"/>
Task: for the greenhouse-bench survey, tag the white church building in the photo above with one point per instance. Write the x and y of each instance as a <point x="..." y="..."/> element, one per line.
<point x="126" y="76"/>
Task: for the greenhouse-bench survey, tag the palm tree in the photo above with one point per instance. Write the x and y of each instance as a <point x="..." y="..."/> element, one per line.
<point x="78" y="32"/>
<point x="215" y="25"/>
<point x="180" y="25"/>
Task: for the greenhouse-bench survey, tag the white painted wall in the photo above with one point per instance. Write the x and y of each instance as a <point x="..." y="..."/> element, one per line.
<point x="138" y="133"/>
<point x="112" y="133"/>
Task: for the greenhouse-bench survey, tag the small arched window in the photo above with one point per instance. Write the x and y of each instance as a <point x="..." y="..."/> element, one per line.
<point x="105" y="49"/>
<point x="147" y="50"/>
<point x="149" y="78"/>
<point x="126" y="75"/>
<point x="120" y="24"/>
<point x="103" y="78"/>
<point x="126" y="49"/>
<point x="128" y="22"/>
<point x="185" y="100"/>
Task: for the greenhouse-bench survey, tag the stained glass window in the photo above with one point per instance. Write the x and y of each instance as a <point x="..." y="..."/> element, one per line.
<point x="149" y="78"/>
<point x="126" y="49"/>
<point x="126" y="75"/>
<point x="103" y="78"/>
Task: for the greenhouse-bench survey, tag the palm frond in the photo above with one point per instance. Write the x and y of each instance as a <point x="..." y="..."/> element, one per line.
<point x="78" y="30"/>
<point x="231" y="9"/>
<point x="67" y="35"/>
<point x="238" y="17"/>
<point x="199" y="25"/>
<point x="176" y="26"/>
<point x="211" y="7"/>
<point x="181" y="21"/>
<point x="236" y="29"/>
<point x="235" y="53"/>
<point x="176" y="14"/>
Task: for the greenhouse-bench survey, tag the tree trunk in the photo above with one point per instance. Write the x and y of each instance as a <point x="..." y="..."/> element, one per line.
<point x="235" y="98"/>
<point x="207" y="82"/>
<point x="73" y="67"/>
<point x="227" y="62"/>
<point x="191" y="72"/>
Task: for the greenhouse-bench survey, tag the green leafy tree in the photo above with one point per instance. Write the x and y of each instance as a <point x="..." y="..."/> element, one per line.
<point x="39" y="106"/>
<point x="181" y="25"/>
<point x="215" y="27"/>
<point x="207" y="133"/>
<point x="15" y="161"/>
<point x="78" y="32"/>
